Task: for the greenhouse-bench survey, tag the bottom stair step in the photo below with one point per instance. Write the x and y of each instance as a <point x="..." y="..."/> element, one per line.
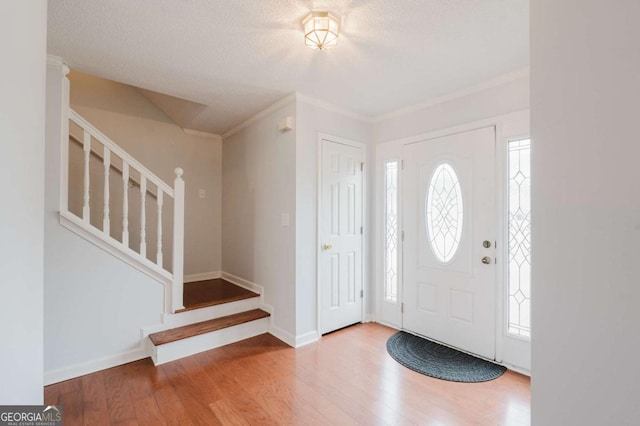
<point x="190" y="339"/>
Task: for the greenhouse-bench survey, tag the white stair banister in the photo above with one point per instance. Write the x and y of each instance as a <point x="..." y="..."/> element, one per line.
<point x="106" y="149"/>
<point x="178" y="241"/>
<point x="106" y="224"/>
<point x="125" y="203"/>
<point x="143" y="216"/>
<point x="159" y="231"/>
<point x="86" y="147"/>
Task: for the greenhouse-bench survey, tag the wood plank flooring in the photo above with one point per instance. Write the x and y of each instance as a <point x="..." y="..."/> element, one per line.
<point x="203" y="327"/>
<point x="212" y="292"/>
<point x="346" y="378"/>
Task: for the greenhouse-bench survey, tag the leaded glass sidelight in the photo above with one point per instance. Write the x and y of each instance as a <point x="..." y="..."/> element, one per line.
<point x="391" y="231"/>
<point x="444" y="212"/>
<point x="519" y="268"/>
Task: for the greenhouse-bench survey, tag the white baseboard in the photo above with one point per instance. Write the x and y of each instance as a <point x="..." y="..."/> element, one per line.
<point x="88" y="367"/>
<point x="243" y="283"/>
<point x="369" y="318"/>
<point x="203" y="276"/>
<point x="386" y="324"/>
<point x="517" y="369"/>
<point x="281" y="334"/>
<point x="305" y="339"/>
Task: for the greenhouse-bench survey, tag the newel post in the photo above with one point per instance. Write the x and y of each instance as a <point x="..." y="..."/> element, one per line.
<point x="178" y="241"/>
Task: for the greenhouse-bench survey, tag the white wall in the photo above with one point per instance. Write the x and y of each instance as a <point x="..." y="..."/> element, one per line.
<point x="134" y="123"/>
<point x="95" y="305"/>
<point x="585" y="87"/>
<point x="312" y="120"/>
<point x="23" y="31"/>
<point x="491" y="101"/>
<point x="258" y="186"/>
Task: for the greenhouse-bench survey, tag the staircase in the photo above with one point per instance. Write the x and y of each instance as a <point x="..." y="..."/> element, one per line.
<point x="197" y="316"/>
<point x="234" y="313"/>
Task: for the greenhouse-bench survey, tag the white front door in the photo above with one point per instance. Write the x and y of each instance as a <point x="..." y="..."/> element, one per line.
<point x="340" y="236"/>
<point x="449" y="238"/>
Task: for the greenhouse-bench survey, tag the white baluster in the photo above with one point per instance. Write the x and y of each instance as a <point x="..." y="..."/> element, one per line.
<point x="159" y="254"/>
<point x="86" y="146"/>
<point x="178" y="241"/>
<point x="106" y="224"/>
<point x="125" y="203"/>
<point x="143" y="216"/>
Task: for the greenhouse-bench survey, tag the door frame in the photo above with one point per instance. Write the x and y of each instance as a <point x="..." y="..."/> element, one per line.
<point x="507" y="127"/>
<point x="363" y="210"/>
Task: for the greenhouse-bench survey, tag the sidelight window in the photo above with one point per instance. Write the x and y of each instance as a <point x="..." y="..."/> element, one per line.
<point x="519" y="217"/>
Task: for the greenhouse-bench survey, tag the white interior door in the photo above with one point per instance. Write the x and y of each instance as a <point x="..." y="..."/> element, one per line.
<point x="449" y="213"/>
<point x="340" y="236"/>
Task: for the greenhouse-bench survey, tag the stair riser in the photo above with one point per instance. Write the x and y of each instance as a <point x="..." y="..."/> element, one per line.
<point x="203" y="314"/>
<point x="204" y="342"/>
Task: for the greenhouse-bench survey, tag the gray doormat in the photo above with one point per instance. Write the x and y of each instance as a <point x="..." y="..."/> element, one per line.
<point x="439" y="361"/>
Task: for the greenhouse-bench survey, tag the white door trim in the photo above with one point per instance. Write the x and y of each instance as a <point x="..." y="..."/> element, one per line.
<point x="364" y="263"/>
<point x="508" y="127"/>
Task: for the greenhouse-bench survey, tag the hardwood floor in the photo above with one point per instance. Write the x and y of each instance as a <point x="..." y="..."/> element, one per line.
<point x="212" y="292"/>
<point x="346" y="378"/>
<point x="203" y="327"/>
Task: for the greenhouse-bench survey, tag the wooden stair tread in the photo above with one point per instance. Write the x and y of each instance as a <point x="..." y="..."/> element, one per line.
<point x="202" y="294"/>
<point x="203" y="327"/>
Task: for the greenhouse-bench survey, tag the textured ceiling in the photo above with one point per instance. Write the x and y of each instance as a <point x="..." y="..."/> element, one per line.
<point x="236" y="57"/>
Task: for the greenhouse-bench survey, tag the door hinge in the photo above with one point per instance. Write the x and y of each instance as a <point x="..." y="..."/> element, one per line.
<point x="402" y="235"/>
<point x="361" y="293"/>
<point x="402" y="308"/>
<point x="362" y="166"/>
<point x="361" y="230"/>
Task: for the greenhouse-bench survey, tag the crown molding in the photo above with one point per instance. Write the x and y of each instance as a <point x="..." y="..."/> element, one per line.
<point x="488" y="84"/>
<point x="332" y="107"/>
<point x="202" y="134"/>
<point x="291" y="97"/>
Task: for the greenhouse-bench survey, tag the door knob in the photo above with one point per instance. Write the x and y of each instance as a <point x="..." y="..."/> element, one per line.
<point x="486" y="260"/>
<point x="327" y="246"/>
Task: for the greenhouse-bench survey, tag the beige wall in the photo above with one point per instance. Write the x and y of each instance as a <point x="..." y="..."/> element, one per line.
<point x="585" y="87"/>
<point x="23" y="31"/>
<point x="509" y="96"/>
<point x="259" y="178"/>
<point x="134" y="123"/>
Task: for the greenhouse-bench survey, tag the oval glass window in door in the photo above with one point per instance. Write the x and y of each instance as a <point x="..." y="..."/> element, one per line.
<point x="444" y="212"/>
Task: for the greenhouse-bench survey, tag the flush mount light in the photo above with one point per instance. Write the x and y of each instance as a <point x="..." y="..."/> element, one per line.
<point x="320" y="30"/>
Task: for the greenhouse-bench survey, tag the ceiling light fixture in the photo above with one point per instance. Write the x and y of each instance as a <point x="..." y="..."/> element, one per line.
<point x="320" y="30"/>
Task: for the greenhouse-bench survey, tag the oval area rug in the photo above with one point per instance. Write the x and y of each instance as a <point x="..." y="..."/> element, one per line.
<point x="439" y="361"/>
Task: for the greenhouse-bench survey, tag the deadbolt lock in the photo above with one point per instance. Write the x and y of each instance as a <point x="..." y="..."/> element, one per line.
<point x="486" y="244"/>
